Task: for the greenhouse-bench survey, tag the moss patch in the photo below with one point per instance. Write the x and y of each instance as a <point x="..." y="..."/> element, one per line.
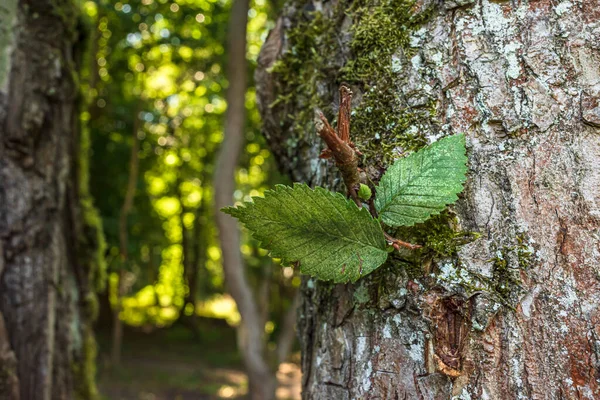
<point x="91" y="244"/>
<point x="361" y="294"/>
<point x="302" y="69"/>
<point x="508" y="264"/>
<point x="323" y="52"/>
<point x="504" y="286"/>
<point x="438" y="235"/>
<point x="380" y="45"/>
<point x="84" y="369"/>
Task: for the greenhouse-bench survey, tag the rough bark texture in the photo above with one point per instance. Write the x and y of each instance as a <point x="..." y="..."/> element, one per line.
<point x="513" y="313"/>
<point x="46" y="232"/>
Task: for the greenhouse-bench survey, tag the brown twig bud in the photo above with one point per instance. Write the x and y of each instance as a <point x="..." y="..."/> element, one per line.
<point x="346" y="156"/>
<point x="339" y="146"/>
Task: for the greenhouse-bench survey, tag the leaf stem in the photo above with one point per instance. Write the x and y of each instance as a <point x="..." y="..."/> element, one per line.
<point x="397" y="243"/>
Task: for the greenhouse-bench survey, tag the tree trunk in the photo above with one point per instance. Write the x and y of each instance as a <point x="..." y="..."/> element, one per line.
<point x="251" y="333"/>
<point x="134" y="164"/>
<point x="48" y="228"/>
<point x="503" y="303"/>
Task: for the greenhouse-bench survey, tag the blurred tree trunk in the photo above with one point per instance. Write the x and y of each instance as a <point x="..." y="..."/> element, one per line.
<point x="50" y="237"/>
<point x="194" y="246"/>
<point x="199" y="250"/>
<point x="134" y="162"/>
<point x="251" y="333"/>
<point x="189" y="240"/>
<point x="514" y="313"/>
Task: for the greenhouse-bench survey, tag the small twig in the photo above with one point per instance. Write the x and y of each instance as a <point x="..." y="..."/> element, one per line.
<point x="354" y="196"/>
<point x="397" y="243"/>
<point x="339" y="146"/>
<point x="346" y="155"/>
<point x="372" y="208"/>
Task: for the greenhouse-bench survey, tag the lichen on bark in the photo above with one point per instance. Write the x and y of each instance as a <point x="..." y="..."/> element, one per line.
<point x="8" y="13"/>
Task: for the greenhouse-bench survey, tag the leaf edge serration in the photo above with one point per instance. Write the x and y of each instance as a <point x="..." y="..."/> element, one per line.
<point x="240" y="212"/>
<point x="393" y="169"/>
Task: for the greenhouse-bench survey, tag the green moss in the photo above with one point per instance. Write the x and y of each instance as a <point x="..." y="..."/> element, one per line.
<point x="438" y="236"/>
<point x="413" y="268"/>
<point x="379" y="32"/>
<point x="92" y="306"/>
<point x="442" y="241"/>
<point x="84" y="369"/>
<point x="502" y="278"/>
<point x="316" y="58"/>
<point x="508" y="264"/>
<point x="302" y="69"/>
<point x="505" y="285"/>
<point x="524" y="252"/>
<point x="92" y="242"/>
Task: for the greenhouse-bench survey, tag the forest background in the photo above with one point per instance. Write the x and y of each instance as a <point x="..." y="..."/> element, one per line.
<point x="154" y="87"/>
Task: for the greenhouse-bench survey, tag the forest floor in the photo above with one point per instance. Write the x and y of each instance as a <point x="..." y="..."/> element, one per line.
<point x="171" y="364"/>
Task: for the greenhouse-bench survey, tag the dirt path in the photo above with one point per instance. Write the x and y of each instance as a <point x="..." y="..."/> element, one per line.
<point x="170" y="365"/>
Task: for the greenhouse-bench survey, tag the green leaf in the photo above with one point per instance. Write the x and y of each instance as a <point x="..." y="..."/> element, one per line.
<point x="418" y="186"/>
<point x="329" y="235"/>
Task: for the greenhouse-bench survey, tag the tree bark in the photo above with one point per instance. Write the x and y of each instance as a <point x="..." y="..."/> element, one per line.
<point x="514" y="313"/>
<point x="47" y="298"/>
<point x="251" y="334"/>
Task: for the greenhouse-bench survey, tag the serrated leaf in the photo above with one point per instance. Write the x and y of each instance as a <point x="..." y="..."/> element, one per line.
<point x="418" y="186"/>
<point x="326" y="233"/>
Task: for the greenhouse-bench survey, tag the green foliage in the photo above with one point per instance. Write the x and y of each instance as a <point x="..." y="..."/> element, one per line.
<point x="329" y="235"/>
<point x="422" y="184"/>
<point x="333" y="239"/>
<point x="155" y="81"/>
